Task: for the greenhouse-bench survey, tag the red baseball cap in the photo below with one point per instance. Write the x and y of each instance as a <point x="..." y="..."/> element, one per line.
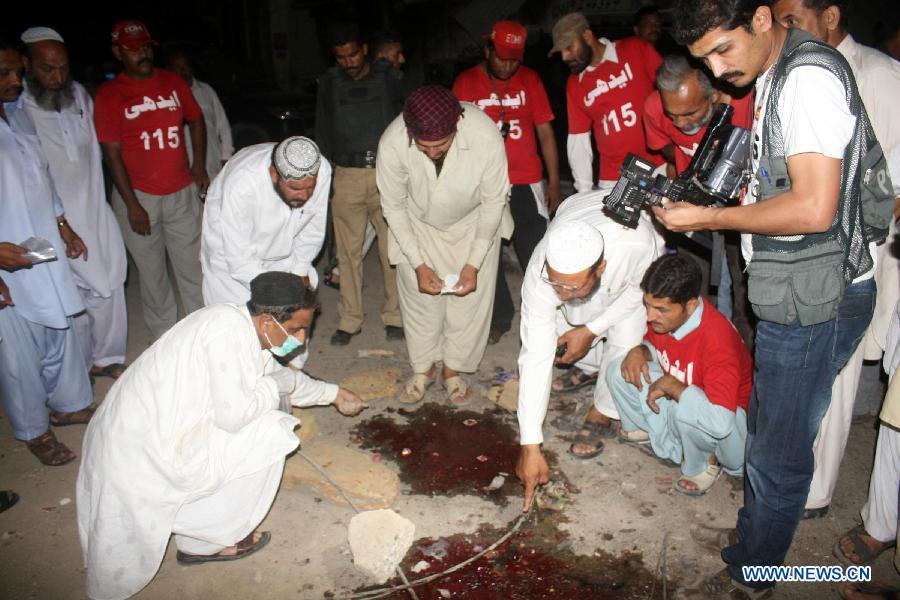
<point x="131" y="35"/>
<point x="509" y="38"/>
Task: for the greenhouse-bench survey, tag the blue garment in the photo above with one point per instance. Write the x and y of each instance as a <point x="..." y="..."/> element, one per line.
<point x="795" y="368"/>
<point x="44" y="294"/>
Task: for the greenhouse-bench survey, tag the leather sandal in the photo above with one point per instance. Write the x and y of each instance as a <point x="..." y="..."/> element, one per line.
<point x="79" y="417"/>
<point x="415" y="387"/>
<point x="49" y="450"/>
<point x="243" y="549"/>
<point x="458" y="391"/>
<point x="704" y="481"/>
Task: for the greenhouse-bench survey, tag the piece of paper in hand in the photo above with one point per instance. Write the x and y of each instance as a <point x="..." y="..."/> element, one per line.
<point x="450" y="282"/>
<point x="39" y="250"/>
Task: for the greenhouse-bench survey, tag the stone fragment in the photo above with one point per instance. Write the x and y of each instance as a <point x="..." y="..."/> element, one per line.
<point x="379" y="539"/>
<point x="370" y="484"/>
<point x="420" y="566"/>
<point x="505" y="395"/>
<point x="374" y="384"/>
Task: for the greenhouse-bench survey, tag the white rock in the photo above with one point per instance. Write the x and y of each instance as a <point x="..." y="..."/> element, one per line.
<point x="65" y="501"/>
<point x="420" y="566"/>
<point x="379" y="540"/>
<point x="444" y="593"/>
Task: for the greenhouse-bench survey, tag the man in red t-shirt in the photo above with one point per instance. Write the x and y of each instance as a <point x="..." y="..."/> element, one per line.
<point x="684" y="391"/>
<point x="514" y="97"/>
<point x="675" y="119"/>
<point x="139" y="116"/>
<point x="606" y="92"/>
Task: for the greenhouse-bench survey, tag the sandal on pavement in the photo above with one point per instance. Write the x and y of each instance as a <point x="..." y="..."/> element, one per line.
<point x="714" y="539"/>
<point x="704" y="481"/>
<point x="113" y="371"/>
<point x="50" y="451"/>
<point x="458" y="391"/>
<point x="79" y="417"/>
<point x="595" y="434"/>
<point x="570" y="382"/>
<point x="861" y="549"/>
<point x="244" y="548"/>
<point x="638" y="437"/>
<point x="415" y="387"/>
<point x="8" y="499"/>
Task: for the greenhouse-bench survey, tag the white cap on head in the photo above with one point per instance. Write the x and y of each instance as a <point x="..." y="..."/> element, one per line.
<point x="40" y="34"/>
<point x="297" y="157"/>
<point x="573" y="247"/>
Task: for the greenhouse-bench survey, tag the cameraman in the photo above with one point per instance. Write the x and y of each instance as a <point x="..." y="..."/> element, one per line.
<point x="809" y="259"/>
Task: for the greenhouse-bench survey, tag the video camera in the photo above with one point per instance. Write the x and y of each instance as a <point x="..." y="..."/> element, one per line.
<point x="718" y="171"/>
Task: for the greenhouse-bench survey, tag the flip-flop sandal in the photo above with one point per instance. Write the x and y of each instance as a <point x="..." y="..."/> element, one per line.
<point x="49" y="450"/>
<point x="8" y="499"/>
<point x="113" y="371"/>
<point x="704" y="481"/>
<point x="79" y="417"/>
<point x="583" y="379"/>
<point x="245" y="548"/>
<point x="860" y="548"/>
<point x="415" y="387"/>
<point x="458" y="391"/>
<point x="327" y="280"/>
<point x="597" y="431"/>
<point x="644" y="447"/>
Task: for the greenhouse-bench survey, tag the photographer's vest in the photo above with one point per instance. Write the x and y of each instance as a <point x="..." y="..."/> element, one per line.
<point x="803" y="277"/>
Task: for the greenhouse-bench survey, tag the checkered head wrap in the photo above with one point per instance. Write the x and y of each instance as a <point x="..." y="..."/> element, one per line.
<point x="431" y="113"/>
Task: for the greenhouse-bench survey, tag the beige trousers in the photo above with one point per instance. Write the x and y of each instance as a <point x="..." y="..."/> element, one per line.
<point x="447" y="328"/>
<point x="355" y="204"/>
<point x="174" y="231"/>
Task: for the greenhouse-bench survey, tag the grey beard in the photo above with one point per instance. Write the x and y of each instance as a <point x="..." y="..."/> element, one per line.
<point x="48" y="99"/>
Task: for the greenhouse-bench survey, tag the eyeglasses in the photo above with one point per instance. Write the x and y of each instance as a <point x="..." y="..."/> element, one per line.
<point x="562" y="286"/>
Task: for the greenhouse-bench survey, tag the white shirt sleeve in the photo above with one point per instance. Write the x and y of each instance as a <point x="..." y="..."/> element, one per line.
<point x="538" y="334"/>
<point x="631" y="299"/>
<point x="309" y="240"/>
<point x="581" y="160"/>
<point x="236" y="230"/>
<point x="223" y="127"/>
<point x="312" y="392"/>
<point x="814" y="113"/>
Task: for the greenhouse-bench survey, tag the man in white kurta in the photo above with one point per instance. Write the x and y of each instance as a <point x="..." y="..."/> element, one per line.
<point x="444" y="187"/>
<point x="191" y="441"/>
<point x="219" y="145"/>
<point x="878" y="79"/>
<point x="63" y="115"/>
<point x="597" y="316"/>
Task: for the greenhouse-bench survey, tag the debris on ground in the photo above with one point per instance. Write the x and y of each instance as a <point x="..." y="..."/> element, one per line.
<point x="373" y="384"/>
<point x="379" y="539"/>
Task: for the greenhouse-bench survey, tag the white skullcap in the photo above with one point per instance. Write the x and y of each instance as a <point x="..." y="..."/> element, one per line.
<point x="297" y="157"/>
<point x="40" y="34"/>
<point x="573" y="247"/>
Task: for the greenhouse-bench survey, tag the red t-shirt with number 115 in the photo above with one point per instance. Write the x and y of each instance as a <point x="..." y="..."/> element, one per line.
<point x="145" y="116"/>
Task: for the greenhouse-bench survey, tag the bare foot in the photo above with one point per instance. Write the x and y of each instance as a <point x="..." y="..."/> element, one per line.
<point x="847" y="546"/>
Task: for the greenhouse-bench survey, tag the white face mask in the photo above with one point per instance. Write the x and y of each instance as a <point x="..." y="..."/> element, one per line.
<point x="288" y="346"/>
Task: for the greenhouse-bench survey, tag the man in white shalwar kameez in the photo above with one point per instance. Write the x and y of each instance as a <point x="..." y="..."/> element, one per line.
<point x="63" y="115"/>
<point x="190" y="440"/>
<point x="219" y="145"/>
<point x="444" y="186"/>
<point x="582" y="304"/>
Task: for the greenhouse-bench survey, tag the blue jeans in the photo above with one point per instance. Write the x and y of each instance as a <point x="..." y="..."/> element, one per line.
<point x="794" y="369"/>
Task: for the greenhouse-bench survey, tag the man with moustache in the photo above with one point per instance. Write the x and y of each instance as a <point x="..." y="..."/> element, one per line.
<point x="513" y="96"/>
<point x="878" y="79"/>
<point x="63" y="115"/>
<point x="139" y="116"/>
<point x="444" y="187"/>
<point x="356" y="100"/>
<point x="43" y="380"/>
<point x="605" y="93"/>
<point x="647" y="24"/>
<point x="809" y="253"/>
<point x="265" y="211"/>
<point x="219" y="146"/>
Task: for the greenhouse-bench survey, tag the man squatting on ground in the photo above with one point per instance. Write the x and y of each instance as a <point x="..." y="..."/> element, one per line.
<point x="265" y="211"/>
<point x="513" y="96"/>
<point x="444" y="187"/>
<point x="191" y="439"/>
<point x="63" y="116"/>
<point x="580" y="294"/>
<point x="41" y="363"/>
<point x="878" y="79"/>
<point x="808" y="249"/>
<point x="684" y="390"/>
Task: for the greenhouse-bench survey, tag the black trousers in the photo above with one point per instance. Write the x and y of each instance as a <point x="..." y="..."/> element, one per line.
<point x="529" y="230"/>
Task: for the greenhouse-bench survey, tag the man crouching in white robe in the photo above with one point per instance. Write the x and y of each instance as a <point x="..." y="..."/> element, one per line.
<point x="191" y="441"/>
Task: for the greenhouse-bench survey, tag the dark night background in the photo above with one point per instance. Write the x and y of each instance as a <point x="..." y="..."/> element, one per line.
<point x="263" y="56"/>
